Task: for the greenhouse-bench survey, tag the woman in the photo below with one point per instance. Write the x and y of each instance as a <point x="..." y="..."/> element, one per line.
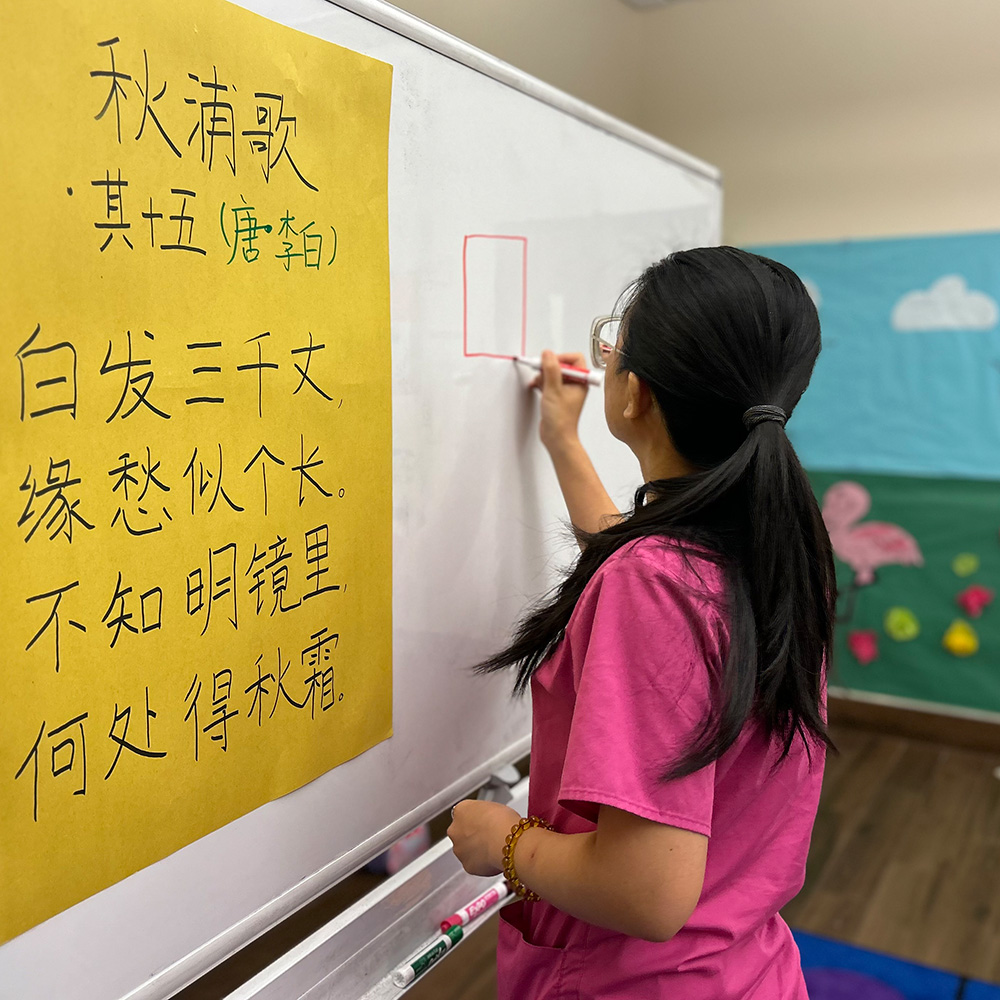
<point x="678" y="672"/>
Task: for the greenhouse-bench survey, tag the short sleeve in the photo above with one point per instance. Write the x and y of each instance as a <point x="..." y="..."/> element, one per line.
<point x="644" y="646"/>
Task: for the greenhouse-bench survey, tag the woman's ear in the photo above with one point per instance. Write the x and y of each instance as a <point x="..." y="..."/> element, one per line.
<point x="638" y="398"/>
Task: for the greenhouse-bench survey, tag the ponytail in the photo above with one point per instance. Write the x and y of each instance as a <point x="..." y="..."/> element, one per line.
<point x="717" y="334"/>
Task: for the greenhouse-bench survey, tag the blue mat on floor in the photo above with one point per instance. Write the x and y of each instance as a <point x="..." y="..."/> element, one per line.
<point x="836" y="971"/>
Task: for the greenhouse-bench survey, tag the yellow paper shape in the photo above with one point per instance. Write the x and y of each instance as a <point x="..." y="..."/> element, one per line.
<point x="196" y="435"/>
<point x="961" y="639"/>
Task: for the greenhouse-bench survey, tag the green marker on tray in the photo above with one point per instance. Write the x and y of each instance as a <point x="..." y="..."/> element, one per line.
<point x="410" y="971"/>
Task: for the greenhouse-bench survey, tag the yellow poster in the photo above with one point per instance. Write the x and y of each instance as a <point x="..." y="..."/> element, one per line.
<point x="195" y="433"/>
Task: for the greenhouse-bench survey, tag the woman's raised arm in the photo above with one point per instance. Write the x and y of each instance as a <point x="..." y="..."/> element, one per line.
<point x="589" y="505"/>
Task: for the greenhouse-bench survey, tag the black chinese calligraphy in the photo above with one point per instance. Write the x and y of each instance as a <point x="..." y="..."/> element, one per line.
<point x="52" y="620"/>
<point x="140" y="384"/>
<point x="260" y="690"/>
<point x="261" y="564"/>
<point x="263" y="455"/>
<point x="119" y="736"/>
<point x="317" y="554"/>
<point x="48" y="377"/>
<point x="303" y="469"/>
<point x="114" y="210"/>
<point x="125" y="475"/>
<point x="62" y="750"/>
<point x="148" y="111"/>
<point x="206" y="479"/>
<point x="259" y="366"/>
<point x="59" y="513"/>
<point x="308" y="350"/>
<point x="116" y="90"/>
<point x="216" y="121"/>
<point x="221" y="586"/>
<point x="273" y="129"/>
<point x="318" y="655"/>
<point x="222" y="686"/>
<point x="121" y="611"/>
<point x="62" y="756"/>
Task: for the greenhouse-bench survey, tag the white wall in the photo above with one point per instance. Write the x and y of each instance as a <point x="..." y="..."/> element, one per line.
<point x="829" y="118"/>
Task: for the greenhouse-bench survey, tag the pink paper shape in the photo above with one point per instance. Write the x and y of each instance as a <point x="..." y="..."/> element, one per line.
<point x="975" y="599"/>
<point x="866" y="546"/>
<point x="863" y="643"/>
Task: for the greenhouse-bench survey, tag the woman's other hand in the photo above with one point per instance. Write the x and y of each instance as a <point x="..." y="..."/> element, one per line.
<point x="478" y="831"/>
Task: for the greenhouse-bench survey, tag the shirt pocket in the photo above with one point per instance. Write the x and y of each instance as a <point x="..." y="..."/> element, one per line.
<point x="526" y="970"/>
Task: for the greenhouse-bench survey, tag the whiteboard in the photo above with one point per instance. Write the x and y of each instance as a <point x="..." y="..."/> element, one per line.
<point x="476" y="150"/>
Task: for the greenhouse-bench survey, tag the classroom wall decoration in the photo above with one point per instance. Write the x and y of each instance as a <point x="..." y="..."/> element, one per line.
<point x="900" y="431"/>
<point x="196" y="436"/>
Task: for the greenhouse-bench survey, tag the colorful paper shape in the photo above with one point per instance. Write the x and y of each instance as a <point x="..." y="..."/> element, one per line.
<point x="866" y="546"/>
<point x="863" y="644"/>
<point x="961" y="639"/>
<point x="974" y="599"/>
<point x="901" y="624"/>
<point x="965" y="564"/>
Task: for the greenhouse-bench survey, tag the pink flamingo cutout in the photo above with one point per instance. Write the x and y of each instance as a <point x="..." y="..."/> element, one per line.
<point x="866" y="546"/>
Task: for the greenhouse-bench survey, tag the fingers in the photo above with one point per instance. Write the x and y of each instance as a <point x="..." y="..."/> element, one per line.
<point x="550" y="378"/>
<point x="451" y="825"/>
<point x="551" y="374"/>
<point x="456" y="819"/>
<point x="552" y="363"/>
<point x="459" y="809"/>
<point x="576" y="359"/>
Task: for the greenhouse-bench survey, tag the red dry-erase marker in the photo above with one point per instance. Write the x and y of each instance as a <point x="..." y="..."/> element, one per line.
<point x="479" y="905"/>
<point x="569" y="372"/>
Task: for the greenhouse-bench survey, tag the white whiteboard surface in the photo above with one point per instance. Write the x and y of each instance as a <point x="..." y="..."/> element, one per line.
<point x="476" y="506"/>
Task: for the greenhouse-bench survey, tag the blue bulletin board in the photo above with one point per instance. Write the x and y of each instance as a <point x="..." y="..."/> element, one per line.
<point x="902" y="424"/>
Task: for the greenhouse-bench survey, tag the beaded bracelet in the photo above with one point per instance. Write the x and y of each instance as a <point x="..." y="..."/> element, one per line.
<point x="509" y="871"/>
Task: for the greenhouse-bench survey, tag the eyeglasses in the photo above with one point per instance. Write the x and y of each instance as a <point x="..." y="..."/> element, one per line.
<point x="604" y="339"/>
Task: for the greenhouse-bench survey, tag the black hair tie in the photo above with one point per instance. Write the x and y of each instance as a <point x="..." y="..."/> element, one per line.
<point x="762" y="414"/>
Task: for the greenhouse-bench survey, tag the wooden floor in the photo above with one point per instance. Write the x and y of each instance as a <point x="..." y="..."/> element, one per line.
<point x="906" y="854"/>
<point x="905" y="859"/>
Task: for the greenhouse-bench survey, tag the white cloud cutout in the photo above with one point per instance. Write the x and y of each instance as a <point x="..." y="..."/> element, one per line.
<point x="949" y="304"/>
<point x="814" y="293"/>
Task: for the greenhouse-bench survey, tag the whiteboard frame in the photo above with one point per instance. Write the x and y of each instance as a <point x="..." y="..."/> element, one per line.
<point x="409" y="26"/>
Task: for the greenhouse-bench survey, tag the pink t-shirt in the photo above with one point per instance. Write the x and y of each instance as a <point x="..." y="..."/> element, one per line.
<point x="615" y="703"/>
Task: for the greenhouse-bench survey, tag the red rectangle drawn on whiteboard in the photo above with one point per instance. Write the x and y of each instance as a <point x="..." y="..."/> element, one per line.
<point x="522" y="293"/>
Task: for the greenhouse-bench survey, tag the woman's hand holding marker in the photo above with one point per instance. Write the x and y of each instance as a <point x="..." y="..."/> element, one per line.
<point x="562" y="400"/>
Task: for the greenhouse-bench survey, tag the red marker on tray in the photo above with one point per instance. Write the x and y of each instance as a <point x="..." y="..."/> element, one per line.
<point x="478" y="906"/>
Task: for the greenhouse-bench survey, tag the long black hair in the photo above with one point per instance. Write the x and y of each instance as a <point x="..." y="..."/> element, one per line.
<point x="713" y="332"/>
